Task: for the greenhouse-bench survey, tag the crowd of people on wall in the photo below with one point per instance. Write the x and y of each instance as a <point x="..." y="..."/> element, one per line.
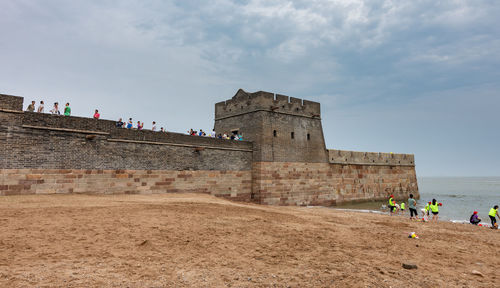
<point x="130" y="123"/>
<point x="66" y="111"/>
<point x="213" y="134"/>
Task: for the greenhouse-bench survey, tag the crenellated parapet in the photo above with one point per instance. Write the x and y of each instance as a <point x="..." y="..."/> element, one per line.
<point x="370" y="158"/>
<point x="244" y="102"/>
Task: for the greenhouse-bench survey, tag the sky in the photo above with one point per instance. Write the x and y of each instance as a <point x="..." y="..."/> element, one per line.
<point x="418" y="77"/>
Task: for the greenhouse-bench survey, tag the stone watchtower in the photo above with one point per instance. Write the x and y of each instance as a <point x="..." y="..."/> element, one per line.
<point x="282" y="128"/>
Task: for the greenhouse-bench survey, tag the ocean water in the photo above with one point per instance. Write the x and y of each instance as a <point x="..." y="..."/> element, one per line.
<point x="461" y="196"/>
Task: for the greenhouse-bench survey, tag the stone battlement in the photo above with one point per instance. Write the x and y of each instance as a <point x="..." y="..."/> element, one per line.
<point x="370" y="158"/>
<point x="244" y="102"/>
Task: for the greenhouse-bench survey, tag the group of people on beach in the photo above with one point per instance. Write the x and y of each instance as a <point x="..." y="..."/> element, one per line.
<point x="433" y="207"/>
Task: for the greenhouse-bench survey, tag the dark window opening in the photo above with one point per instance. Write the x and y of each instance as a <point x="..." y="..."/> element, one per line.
<point x="274" y="133"/>
<point x="308" y="136"/>
<point x="293" y="135"/>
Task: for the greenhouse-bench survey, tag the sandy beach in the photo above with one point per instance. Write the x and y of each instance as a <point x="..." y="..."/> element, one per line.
<point x="192" y="240"/>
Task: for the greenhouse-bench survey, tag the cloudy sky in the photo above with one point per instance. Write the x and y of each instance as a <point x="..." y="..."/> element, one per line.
<point x="418" y="77"/>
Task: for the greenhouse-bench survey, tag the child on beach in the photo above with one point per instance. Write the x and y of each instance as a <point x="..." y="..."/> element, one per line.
<point x="434" y="206"/>
<point x="493" y="214"/>
<point x="392" y="203"/>
<point x="474" y="219"/>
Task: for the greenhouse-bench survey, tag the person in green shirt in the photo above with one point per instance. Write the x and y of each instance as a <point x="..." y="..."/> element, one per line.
<point x="67" y="110"/>
<point x="493" y="214"/>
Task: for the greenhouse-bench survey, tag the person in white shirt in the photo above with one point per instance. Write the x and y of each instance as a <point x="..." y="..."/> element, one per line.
<point x="40" y="108"/>
<point x="55" y="110"/>
<point x="154" y="126"/>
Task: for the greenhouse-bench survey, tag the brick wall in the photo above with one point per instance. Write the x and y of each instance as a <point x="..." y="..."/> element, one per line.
<point x="34" y="140"/>
<point x="43" y="153"/>
<point x="285" y="183"/>
<point x="235" y="185"/>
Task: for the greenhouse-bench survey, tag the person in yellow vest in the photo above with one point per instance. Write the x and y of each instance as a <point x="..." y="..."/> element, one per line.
<point x="392" y="204"/>
<point x="402" y="207"/>
<point x="434" y="207"/>
<point x="493" y="214"/>
<point x="427" y="208"/>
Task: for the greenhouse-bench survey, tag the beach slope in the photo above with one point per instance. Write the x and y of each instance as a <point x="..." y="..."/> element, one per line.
<point x="193" y="240"/>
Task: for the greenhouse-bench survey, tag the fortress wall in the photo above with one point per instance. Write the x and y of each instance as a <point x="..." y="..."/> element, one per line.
<point x="235" y="185"/>
<point x="42" y="153"/>
<point x="293" y="183"/>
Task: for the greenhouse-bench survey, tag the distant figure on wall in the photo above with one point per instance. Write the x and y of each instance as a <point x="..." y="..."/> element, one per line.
<point x="67" y="110"/>
<point x="153" y="127"/>
<point x="130" y="123"/>
<point x="119" y="123"/>
<point x="40" y="108"/>
<point x="31" y="107"/>
<point x="55" y="109"/>
<point x="96" y="114"/>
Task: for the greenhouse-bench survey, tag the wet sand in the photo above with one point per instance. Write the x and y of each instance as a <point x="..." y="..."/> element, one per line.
<point x="190" y="240"/>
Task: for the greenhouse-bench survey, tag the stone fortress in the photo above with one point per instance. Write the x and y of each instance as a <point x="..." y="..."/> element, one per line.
<point x="283" y="160"/>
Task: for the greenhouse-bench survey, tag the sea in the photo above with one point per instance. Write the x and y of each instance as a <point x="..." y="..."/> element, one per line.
<point x="461" y="196"/>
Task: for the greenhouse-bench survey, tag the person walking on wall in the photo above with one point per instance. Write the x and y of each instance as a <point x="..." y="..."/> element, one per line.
<point x="119" y="123"/>
<point x="55" y="109"/>
<point x="153" y="127"/>
<point x="493" y="214"/>
<point x="40" y="108"/>
<point x="96" y="114"/>
<point x="67" y="110"/>
<point x="129" y="123"/>
<point x="31" y="107"/>
<point x="474" y="219"/>
<point x="435" y="209"/>
<point x="412" y="206"/>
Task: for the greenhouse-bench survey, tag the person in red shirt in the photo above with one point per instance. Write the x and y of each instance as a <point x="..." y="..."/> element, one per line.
<point x="96" y="114"/>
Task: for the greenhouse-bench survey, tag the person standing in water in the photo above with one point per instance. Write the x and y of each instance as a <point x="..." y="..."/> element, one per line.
<point x="493" y="214"/>
<point x="412" y="206"/>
